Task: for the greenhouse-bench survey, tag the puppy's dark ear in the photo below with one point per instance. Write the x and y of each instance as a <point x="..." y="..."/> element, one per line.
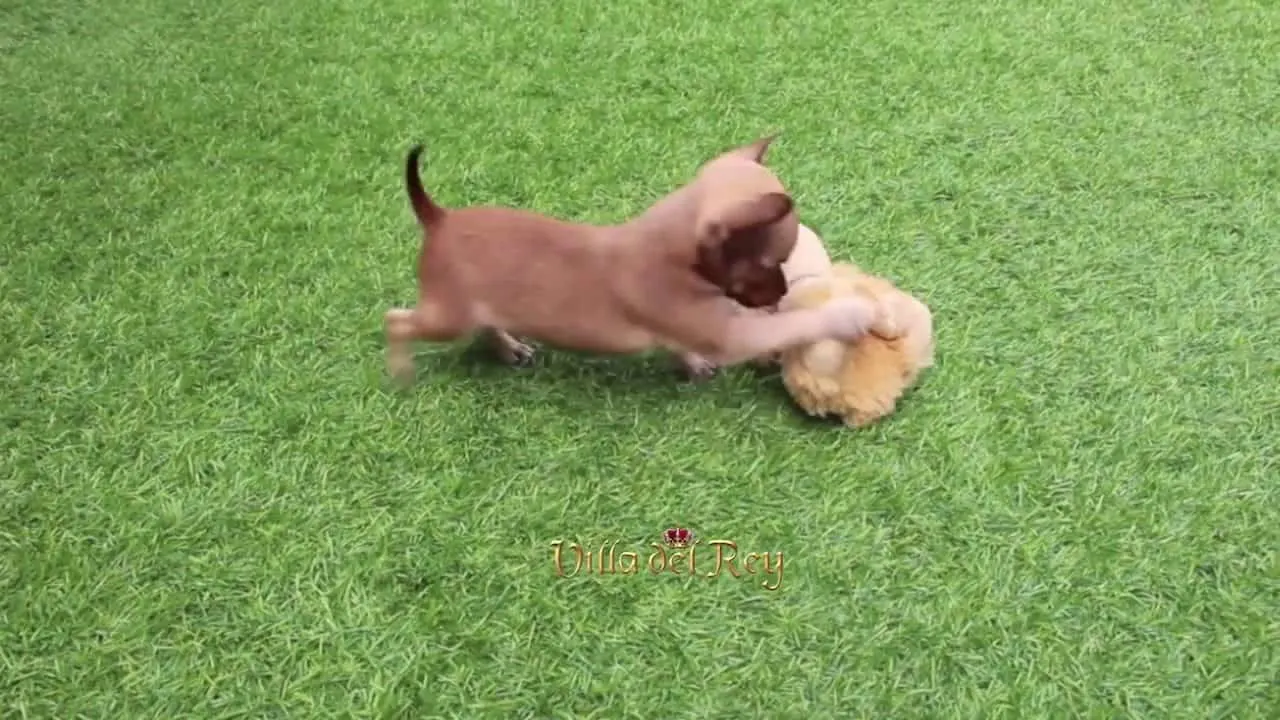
<point x="722" y="220"/>
<point x="755" y="152"/>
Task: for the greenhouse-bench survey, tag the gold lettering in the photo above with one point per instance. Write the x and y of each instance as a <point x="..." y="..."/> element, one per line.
<point x="659" y="553"/>
<point x="556" y="559"/>
<point x="776" y="570"/>
<point x="613" y="560"/>
<point x="608" y="561"/>
<point x="722" y="561"/>
<point x="630" y="562"/>
<point x="675" y="558"/>
<point x="557" y="548"/>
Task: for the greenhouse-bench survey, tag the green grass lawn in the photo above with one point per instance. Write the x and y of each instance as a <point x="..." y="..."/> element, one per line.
<point x="213" y="504"/>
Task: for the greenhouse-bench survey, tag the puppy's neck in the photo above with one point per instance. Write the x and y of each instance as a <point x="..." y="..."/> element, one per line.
<point x="666" y="224"/>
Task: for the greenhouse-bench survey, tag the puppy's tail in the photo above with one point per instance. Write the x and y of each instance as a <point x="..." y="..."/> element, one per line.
<point x="424" y="208"/>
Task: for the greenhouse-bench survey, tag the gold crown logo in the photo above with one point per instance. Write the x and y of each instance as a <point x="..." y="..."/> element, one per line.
<point x="678" y="537"/>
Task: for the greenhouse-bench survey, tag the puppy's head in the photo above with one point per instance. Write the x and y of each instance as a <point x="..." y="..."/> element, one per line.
<point x="745" y="226"/>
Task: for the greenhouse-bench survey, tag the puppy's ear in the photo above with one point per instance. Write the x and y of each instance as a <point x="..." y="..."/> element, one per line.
<point x="720" y="221"/>
<point x="755" y="151"/>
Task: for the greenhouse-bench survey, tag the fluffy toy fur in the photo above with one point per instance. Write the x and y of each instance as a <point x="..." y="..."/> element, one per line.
<point x="859" y="381"/>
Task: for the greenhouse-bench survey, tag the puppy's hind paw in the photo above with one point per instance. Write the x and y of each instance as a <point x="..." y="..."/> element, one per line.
<point x="511" y="351"/>
<point x="697" y="368"/>
<point x="520" y="354"/>
<point x="400" y="368"/>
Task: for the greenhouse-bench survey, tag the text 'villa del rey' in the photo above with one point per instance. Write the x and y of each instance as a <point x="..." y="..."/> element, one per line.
<point x="679" y="553"/>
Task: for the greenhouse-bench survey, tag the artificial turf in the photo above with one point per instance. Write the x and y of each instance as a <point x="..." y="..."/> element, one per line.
<point x="214" y="505"/>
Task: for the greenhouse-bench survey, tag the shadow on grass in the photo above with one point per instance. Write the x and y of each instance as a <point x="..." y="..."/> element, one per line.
<point x="582" y="381"/>
<point x="652" y="379"/>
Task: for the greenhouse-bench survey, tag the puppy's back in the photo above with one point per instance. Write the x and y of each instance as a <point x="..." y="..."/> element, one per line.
<point x="495" y="248"/>
<point x="533" y="275"/>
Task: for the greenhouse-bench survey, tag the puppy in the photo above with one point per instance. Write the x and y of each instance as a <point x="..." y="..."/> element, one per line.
<point x="682" y="276"/>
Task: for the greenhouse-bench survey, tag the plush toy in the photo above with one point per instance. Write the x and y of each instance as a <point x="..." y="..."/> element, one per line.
<point x="861" y="381"/>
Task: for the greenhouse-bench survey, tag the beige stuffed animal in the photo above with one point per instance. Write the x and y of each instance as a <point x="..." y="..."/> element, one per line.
<point x="862" y="381"/>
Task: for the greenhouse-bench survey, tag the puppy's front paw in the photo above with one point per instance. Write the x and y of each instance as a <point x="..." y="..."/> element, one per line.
<point x="849" y="318"/>
<point x="697" y="368"/>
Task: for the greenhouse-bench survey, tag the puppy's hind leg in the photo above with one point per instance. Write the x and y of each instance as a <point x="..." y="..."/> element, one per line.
<point x="509" y="349"/>
<point x="401" y="328"/>
<point x="697" y="367"/>
<point x="428" y="321"/>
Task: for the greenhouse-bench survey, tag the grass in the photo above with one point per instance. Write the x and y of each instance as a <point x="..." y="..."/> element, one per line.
<point x="213" y="504"/>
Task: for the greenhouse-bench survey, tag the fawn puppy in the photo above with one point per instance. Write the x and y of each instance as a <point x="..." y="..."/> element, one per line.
<point x="685" y="276"/>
